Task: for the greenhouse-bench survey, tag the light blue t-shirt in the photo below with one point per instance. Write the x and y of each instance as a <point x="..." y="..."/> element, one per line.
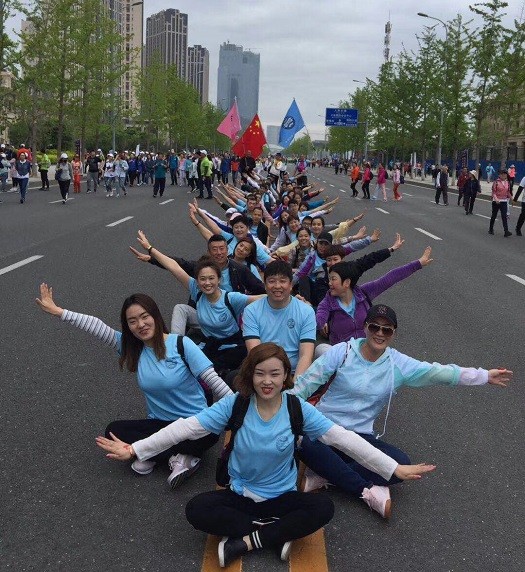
<point x="262" y="457"/>
<point x="287" y="326"/>
<point x="262" y="256"/>
<point x="350" y="309"/>
<point x="170" y="389"/>
<point x="215" y="319"/>
<point x="225" y="279"/>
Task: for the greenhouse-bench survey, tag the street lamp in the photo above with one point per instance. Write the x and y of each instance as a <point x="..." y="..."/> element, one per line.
<point x="440" y="138"/>
<point x="365" y="153"/>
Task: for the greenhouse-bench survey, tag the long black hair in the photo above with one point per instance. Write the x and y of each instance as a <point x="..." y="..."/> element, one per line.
<point x="131" y="345"/>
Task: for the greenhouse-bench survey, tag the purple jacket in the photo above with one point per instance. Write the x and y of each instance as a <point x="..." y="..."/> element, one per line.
<point x="342" y="326"/>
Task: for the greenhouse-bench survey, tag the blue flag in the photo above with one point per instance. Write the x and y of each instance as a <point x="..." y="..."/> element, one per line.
<point x="292" y="123"/>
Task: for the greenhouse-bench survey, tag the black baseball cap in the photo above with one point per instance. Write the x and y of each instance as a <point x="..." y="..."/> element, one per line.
<point x="325" y="236"/>
<point x="382" y="311"/>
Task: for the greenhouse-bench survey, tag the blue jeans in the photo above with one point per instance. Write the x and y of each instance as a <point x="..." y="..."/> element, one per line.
<point x="342" y="471"/>
<point x="22" y="185"/>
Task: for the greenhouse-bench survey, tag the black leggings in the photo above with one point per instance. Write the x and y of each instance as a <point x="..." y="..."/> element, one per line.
<point x="521" y="218"/>
<point x="496" y="207"/>
<point x="365" y="187"/>
<point x="131" y="430"/>
<point x="225" y="513"/>
<point x="44" y="179"/>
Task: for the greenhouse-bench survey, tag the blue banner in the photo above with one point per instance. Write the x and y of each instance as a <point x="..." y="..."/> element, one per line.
<point x="292" y="123"/>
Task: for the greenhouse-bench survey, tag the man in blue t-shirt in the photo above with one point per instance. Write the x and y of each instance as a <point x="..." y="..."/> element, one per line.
<point x="281" y="318"/>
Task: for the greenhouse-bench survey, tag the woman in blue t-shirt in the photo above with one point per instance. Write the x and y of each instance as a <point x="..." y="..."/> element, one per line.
<point x="218" y="311"/>
<point x="261" y="507"/>
<point x="172" y="384"/>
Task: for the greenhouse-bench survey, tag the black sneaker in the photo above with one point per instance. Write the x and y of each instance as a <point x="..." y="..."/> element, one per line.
<point x="231" y="549"/>
<point x="518" y="232"/>
<point x="491" y="231"/>
<point x="507" y="234"/>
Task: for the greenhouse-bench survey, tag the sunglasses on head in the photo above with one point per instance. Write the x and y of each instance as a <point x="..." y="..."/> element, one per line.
<point x="385" y="330"/>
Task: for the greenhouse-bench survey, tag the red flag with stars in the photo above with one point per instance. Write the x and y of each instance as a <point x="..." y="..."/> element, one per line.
<point x="253" y="139"/>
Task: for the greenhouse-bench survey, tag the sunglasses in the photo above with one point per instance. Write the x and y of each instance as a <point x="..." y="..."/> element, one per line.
<point x="385" y="330"/>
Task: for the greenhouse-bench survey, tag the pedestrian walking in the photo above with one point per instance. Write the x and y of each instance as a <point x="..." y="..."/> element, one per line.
<point x="76" y="166"/>
<point x="160" y="168"/>
<point x="396" y="179"/>
<point x="500" y="202"/>
<point x="109" y="174"/>
<point x="521" y="218"/>
<point x="4" y="172"/>
<point x="355" y="175"/>
<point x="442" y="185"/>
<point x="380" y="183"/>
<point x="64" y="176"/>
<point x="470" y="190"/>
<point x="121" y="171"/>
<point x="92" y="168"/>
<point x="23" y="170"/>
<point x="43" y="168"/>
<point x="511" y="176"/>
<point x="462" y="181"/>
<point x="367" y="177"/>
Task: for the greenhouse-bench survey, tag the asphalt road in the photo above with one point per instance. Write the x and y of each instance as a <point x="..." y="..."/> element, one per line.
<point x="64" y="507"/>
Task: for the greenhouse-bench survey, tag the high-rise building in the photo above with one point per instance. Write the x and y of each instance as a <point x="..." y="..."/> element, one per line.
<point x="238" y="77"/>
<point x="198" y="71"/>
<point x="272" y="134"/>
<point x="167" y="37"/>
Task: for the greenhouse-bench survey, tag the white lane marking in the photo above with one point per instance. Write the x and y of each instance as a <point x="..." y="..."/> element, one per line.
<point x="517" y="278"/>
<point x="482" y="216"/>
<point x="165" y="202"/>
<point x="53" y="202"/>
<point x="324" y="181"/>
<point x="428" y="234"/>
<point x="342" y="190"/>
<point x="382" y="210"/>
<point x="21" y="263"/>
<point x="408" y="195"/>
<point x="332" y="185"/>
<point x="119" y="221"/>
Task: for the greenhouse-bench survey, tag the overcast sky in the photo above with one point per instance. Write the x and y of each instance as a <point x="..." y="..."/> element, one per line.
<point x="310" y="49"/>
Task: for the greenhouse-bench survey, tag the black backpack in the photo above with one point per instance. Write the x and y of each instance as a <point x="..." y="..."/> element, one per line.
<point x="240" y="407"/>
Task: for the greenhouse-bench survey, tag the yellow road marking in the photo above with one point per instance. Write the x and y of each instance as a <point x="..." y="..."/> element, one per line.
<point x="309" y="554"/>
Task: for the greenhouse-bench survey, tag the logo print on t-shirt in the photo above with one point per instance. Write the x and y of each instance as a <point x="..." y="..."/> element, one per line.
<point x="281" y="443"/>
<point x="291" y="323"/>
<point x="223" y="317"/>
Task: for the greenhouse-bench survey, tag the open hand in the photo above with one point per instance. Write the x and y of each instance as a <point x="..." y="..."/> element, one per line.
<point x="375" y="235"/>
<point x="143" y="241"/>
<point x="398" y="242"/>
<point x="140" y="256"/>
<point x="412" y="472"/>
<point x="46" y="301"/>
<point x="117" y="449"/>
<point x="425" y="259"/>
<point x="500" y="376"/>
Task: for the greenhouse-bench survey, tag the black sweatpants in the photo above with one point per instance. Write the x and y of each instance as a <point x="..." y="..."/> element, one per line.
<point x="225" y="513"/>
<point x="131" y="430"/>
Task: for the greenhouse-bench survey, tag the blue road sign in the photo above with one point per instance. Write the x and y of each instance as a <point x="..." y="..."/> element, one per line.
<point x="340" y="117"/>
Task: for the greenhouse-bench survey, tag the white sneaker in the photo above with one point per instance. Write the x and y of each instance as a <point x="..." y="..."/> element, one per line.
<point x="285" y="551"/>
<point x="118" y="194"/>
<point x="378" y="499"/>
<point x="143" y="467"/>
<point x="182" y="467"/>
<point x="313" y="482"/>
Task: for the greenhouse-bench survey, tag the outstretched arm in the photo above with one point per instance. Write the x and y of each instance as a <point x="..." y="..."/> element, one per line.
<point x="168" y="263"/>
<point x="204" y="232"/>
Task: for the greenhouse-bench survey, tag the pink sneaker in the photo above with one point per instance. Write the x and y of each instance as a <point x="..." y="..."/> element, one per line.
<point x="378" y="499"/>
<point x="312" y="481"/>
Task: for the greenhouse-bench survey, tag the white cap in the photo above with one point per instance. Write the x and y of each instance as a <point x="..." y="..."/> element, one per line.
<point x="63" y="156"/>
<point x="2" y="155"/>
<point x="99" y="150"/>
<point x="110" y="154"/>
<point x="231" y="211"/>
<point x="2" y="146"/>
<point x="204" y="151"/>
<point x="22" y="144"/>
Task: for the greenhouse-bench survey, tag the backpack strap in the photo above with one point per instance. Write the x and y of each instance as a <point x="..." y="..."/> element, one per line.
<point x="227" y="303"/>
<point x="295" y="411"/>
<point x="182" y="353"/>
<point x="240" y="407"/>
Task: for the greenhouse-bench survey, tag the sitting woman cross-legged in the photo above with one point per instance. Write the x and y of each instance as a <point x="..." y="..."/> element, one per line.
<point x="173" y="384"/>
<point x="262" y="507"/>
